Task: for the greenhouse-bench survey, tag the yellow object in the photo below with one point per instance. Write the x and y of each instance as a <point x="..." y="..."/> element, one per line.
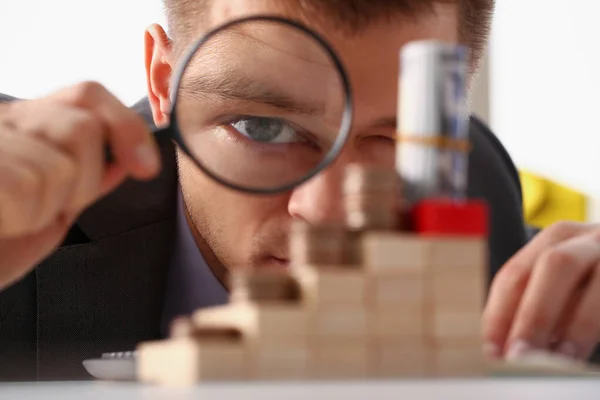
<point x="546" y="202"/>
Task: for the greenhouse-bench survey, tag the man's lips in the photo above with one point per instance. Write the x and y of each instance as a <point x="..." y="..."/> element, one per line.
<point x="281" y="262"/>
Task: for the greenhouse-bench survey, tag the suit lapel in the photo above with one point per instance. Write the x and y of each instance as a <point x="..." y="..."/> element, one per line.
<point x="107" y="294"/>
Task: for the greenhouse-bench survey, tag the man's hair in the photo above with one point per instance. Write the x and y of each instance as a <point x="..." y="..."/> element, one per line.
<point x="351" y="16"/>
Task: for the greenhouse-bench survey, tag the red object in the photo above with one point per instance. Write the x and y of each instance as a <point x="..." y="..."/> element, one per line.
<point x="444" y="217"/>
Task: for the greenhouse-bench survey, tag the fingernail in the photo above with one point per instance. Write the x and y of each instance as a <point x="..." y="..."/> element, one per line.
<point x="491" y="350"/>
<point x="146" y="154"/>
<point x="517" y="349"/>
<point x="567" y="349"/>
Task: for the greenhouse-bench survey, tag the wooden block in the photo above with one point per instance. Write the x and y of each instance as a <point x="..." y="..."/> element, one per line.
<point x="186" y="361"/>
<point x="458" y="256"/>
<point x="339" y="321"/>
<point x="284" y="357"/>
<point x="458" y="361"/>
<point x="394" y="252"/>
<point x="398" y="321"/>
<point x="443" y="217"/>
<point x="151" y="357"/>
<point x="257" y="321"/>
<point x="335" y="358"/>
<point x="264" y="286"/>
<point x="392" y="357"/>
<point x="396" y="290"/>
<point x="285" y="364"/>
<point x="452" y="325"/>
<point x="464" y="293"/>
<point x="324" y="286"/>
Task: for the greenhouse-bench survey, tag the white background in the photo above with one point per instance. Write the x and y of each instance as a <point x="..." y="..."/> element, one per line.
<point x="48" y="44"/>
<point x="544" y="69"/>
<point x="545" y="86"/>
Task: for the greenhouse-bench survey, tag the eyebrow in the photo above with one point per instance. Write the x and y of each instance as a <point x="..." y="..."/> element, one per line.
<point x="388" y="122"/>
<point x="235" y="85"/>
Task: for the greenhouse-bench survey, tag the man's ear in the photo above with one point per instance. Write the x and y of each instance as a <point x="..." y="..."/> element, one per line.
<point x="158" y="59"/>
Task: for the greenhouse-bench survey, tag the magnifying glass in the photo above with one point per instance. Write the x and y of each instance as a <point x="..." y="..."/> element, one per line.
<point x="260" y="104"/>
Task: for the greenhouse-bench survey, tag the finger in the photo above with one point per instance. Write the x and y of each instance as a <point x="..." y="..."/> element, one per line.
<point x="583" y="332"/>
<point x="113" y="177"/>
<point x="4" y="108"/>
<point x="19" y="191"/>
<point x="55" y="171"/>
<point x="78" y="133"/>
<point x="567" y="316"/>
<point x="81" y="134"/>
<point x="511" y="281"/>
<point x="502" y="304"/>
<point x="554" y="279"/>
<point x="128" y="135"/>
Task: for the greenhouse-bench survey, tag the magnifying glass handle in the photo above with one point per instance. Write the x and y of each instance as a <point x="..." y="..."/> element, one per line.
<point x="158" y="133"/>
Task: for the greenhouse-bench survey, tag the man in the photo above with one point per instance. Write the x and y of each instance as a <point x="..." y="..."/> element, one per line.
<point x="96" y="259"/>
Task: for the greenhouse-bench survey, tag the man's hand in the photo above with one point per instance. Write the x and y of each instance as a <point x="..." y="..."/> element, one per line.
<point x="52" y="167"/>
<point x="547" y="297"/>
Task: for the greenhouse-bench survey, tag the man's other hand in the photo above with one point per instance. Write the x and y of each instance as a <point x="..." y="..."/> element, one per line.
<point x="547" y="297"/>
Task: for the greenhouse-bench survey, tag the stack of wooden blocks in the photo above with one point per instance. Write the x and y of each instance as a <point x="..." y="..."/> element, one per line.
<point x="408" y="307"/>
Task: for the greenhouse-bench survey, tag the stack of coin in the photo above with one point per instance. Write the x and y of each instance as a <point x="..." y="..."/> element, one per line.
<point x="263" y="285"/>
<point x="353" y="249"/>
<point x="183" y="327"/>
<point x="317" y="244"/>
<point x="371" y="197"/>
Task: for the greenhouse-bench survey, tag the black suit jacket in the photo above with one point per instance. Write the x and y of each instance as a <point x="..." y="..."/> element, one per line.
<point x="103" y="290"/>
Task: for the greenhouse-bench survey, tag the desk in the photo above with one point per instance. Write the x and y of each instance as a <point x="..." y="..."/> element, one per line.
<point x="485" y="389"/>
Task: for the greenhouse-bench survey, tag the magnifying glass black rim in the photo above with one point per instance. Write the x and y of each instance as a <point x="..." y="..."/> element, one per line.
<point x="345" y="126"/>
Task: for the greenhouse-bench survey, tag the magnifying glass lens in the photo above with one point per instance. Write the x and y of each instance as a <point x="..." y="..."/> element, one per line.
<point x="261" y="105"/>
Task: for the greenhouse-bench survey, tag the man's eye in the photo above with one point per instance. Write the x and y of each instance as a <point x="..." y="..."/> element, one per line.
<point x="266" y="130"/>
<point x="381" y="139"/>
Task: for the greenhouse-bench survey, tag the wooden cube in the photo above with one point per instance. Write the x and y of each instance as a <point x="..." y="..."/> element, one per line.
<point x="463" y="293"/>
<point x="396" y="358"/>
<point x="280" y="360"/>
<point x="458" y="360"/>
<point x="340" y="358"/>
<point x="454" y="325"/>
<point x="324" y="286"/>
<point x="339" y="321"/>
<point x="458" y="256"/>
<point x="396" y="290"/>
<point x="257" y="321"/>
<point x="389" y="252"/>
<point x="433" y="216"/>
<point x="401" y="322"/>
<point x="186" y="361"/>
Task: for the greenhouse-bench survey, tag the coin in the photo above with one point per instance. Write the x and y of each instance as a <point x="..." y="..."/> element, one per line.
<point x="371" y="197"/>
<point x="316" y="244"/>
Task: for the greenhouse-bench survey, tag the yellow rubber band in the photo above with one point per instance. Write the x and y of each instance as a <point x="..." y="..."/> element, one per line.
<point x="440" y="142"/>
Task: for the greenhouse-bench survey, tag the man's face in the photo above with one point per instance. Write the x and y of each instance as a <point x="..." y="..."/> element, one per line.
<point x="237" y="229"/>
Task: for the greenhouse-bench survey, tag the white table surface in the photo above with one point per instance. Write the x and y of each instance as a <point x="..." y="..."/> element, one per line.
<point x="484" y="389"/>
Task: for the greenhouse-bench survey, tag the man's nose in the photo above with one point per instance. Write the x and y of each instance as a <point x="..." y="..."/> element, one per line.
<point x="321" y="199"/>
